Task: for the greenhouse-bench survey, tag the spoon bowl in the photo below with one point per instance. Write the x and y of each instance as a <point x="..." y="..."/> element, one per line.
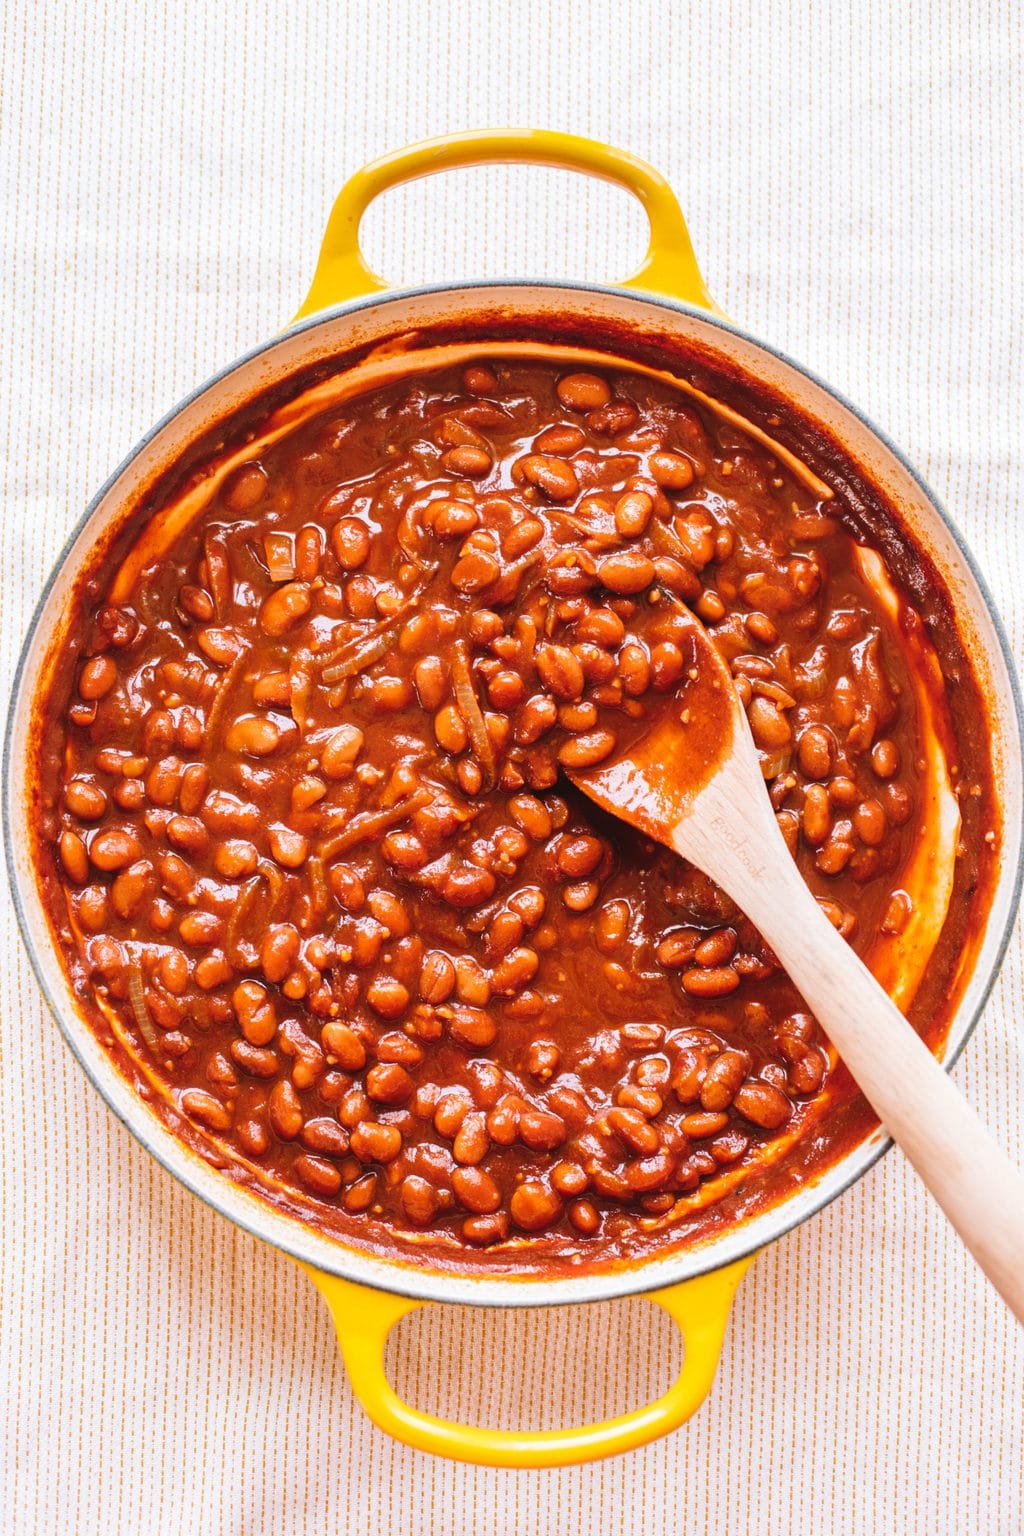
<point x="691" y="779"/>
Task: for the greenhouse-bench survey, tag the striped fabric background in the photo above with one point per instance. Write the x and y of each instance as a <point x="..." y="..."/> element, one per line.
<point x="852" y="175"/>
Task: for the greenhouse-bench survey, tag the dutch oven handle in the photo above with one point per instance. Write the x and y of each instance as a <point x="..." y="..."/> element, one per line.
<point x="669" y="268"/>
<point x="363" y="1318"/>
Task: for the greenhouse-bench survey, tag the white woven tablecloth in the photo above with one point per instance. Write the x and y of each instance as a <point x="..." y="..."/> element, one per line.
<point x="852" y="174"/>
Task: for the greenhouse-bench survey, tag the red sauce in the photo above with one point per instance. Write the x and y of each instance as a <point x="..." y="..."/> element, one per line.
<point x="329" y="893"/>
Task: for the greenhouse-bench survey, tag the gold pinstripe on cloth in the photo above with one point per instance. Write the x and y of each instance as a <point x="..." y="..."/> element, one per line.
<point x="852" y="178"/>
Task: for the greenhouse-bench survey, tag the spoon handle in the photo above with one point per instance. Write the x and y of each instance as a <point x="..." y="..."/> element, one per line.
<point x="956" y="1156"/>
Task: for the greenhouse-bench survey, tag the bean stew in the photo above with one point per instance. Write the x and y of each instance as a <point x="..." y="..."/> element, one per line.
<point x="325" y="890"/>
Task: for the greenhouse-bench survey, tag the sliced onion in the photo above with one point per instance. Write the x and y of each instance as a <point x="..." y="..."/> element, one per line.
<point x="239" y="915"/>
<point x="469" y="709"/>
<point x="667" y="542"/>
<point x="218" y="572"/>
<point x="774" y="691"/>
<point x="356" y="658"/>
<point x="319" y="895"/>
<point x="219" y="700"/>
<point x="143" y="1017"/>
<point x="371" y="824"/>
<point x="300" y="684"/>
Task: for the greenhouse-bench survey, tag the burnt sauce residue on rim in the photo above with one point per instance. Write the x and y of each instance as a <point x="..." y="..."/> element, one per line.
<point x="318" y="876"/>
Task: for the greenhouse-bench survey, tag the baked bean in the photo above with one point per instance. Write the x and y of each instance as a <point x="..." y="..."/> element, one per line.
<point x="205" y="1107"/>
<point x="74" y="857"/>
<point x="666" y="665"/>
<point x="614" y="419"/>
<point x="471" y="1141"/>
<point x="280" y="951"/>
<point x="560" y="671"/>
<point x="553" y="476"/>
<point x="283" y="608"/>
<point x="387" y="997"/>
<point x="389" y="913"/>
<point x="188" y="834"/>
<point x="476" y="1190"/>
<point x="257" y="1017"/>
<point x="288" y="848"/>
<point x="350" y="541"/>
<point x="389" y="1083"/>
<point x="512" y="973"/>
<point x="235" y="859"/>
<point x="814" y="752"/>
<point x="85" y="799"/>
<point x="869" y="822"/>
<point x="583" y="392"/>
<point x="450" y="730"/>
<point x="722" y="1079"/>
<point x="431" y="679"/>
<point x="885" y="758"/>
<point x="612" y="926"/>
<point x="129" y="888"/>
<point x="769" y="726"/>
<point x="635" y="669"/>
<point x="561" y="440"/>
<point x="468" y="886"/>
<point x="584" y="1216"/>
<point x="633" y="1130"/>
<point x="360" y="1195"/>
<point x="200" y="928"/>
<point x="807" y="1072"/>
<point x="717" y="949"/>
<point x="373" y="1142"/>
<point x="532" y="815"/>
<point x="97" y="677"/>
<point x="701" y="1124"/>
<point x="111" y="849"/>
<point x="255" y="1060"/>
<point x="586" y="751"/>
<point x="534" y="1206"/>
<point x="672" y="471"/>
<point x="541" y="1130"/>
<point x="577" y="857"/>
<point x="537" y="716"/>
<point x="467" y="460"/>
<point x="471" y="982"/>
<point x="626" y="572"/>
<point x="245" y="487"/>
<point x="632" y="513"/>
<point x="762" y="1104"/>
<point x="816" y="818"/>
<point x="896" y="914"/>
<point x="284" y="1111"/>
<point x="471" y="1027"/>
<point x="340" y="750"/>
<point x="318" y="1175"/>
<point x="714" y="981"/>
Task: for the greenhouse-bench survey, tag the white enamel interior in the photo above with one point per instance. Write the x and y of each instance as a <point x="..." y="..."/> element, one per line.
<point x="336" y="332"/>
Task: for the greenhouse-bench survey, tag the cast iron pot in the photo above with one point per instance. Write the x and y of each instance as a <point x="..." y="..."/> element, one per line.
<point x="348" y="311"/>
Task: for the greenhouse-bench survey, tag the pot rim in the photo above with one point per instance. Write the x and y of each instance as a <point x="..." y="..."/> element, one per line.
<point x="400" y="1272"/>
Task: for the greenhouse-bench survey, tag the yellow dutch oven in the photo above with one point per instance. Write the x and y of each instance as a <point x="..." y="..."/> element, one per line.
<point x="348" y="312"/>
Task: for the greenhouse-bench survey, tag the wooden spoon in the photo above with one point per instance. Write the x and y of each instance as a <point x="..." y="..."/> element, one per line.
<point x="692" y="781"/>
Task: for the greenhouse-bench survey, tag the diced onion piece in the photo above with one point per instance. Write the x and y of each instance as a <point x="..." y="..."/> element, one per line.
<point x="279" y="549"/>
<point x="774" y="763"/>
